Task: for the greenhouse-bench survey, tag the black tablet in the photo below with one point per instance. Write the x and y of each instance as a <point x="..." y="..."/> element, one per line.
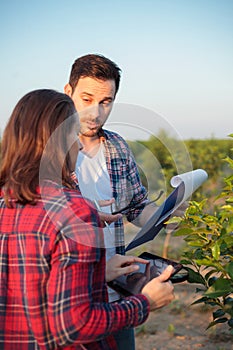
<point x="134" y="282"/>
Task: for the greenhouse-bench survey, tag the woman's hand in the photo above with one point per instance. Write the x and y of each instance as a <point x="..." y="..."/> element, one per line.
<point x="160" y="291"/>
<point x="120" y="265"/>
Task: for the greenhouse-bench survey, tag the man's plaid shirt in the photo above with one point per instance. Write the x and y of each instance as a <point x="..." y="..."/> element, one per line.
<point x="125" y="180"/>
<point x="53" y="293"/>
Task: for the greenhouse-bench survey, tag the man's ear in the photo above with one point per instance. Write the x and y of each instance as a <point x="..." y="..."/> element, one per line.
<point x="68" y="89"/>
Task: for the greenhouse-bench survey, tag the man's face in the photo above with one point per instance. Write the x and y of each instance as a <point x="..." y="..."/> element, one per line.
<point x="73" y="143"/>
<point x="93" y="100"/>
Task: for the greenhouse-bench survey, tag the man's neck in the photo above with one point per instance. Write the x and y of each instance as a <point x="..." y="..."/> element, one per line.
<point x="90" y="144"/>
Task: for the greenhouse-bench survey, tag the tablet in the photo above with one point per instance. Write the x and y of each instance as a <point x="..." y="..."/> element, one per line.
<point x="133" y="283"/>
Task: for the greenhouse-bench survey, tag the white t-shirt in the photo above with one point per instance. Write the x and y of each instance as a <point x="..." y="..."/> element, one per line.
<point x="94" y="184"/>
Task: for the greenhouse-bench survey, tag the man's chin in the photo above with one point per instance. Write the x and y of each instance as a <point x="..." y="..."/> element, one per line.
<point x="89" y="133"/>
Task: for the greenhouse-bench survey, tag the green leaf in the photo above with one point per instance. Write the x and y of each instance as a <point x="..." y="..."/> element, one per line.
<point x="218" y="313"/>
<point x="198" y="254"/>
<point x="215" y="251"/>
<point x="174" y="220"/>
<point x="194" y="277"/>
<point x="207" y="262"/>
<point x="212" y="280"/>
<point x="220" y="320"/>
<point x="229" y="200"/>
<point x="229" y="241"/>
<point x="229" y="301"/>
<point x="183" y="232"/>
<point x="220" y="287"/>
<point x="201" y="300"/>
<point x="185" y="262"/>
<point x="195" y="244"/>
<point x="229" y="269"/>
<point x="207" y="276"/>
<point x="230" y="322"/>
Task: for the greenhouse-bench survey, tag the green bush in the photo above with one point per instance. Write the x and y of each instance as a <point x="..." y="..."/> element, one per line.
<point x="209" y="253"/>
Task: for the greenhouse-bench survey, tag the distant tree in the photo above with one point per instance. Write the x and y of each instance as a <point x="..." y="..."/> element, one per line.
<point x="173" y="156"/>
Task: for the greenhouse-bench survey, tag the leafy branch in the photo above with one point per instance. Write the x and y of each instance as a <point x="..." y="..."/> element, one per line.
<point x="209" y="253"/>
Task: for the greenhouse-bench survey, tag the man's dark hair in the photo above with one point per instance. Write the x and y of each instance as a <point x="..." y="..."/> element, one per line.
<point x="94" y="66"/>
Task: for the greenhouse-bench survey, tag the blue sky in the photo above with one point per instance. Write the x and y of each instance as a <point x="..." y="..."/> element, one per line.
<point x="176" y="57"/>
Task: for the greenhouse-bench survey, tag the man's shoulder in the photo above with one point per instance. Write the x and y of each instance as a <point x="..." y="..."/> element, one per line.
<point x="110" y="133"/>
<point x="115" y="138"/>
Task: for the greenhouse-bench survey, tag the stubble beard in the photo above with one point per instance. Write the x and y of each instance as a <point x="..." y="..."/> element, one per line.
<point x="88" y="132"/>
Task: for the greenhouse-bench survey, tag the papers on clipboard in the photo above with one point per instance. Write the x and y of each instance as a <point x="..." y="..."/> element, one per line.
<point x="185" y="184"/>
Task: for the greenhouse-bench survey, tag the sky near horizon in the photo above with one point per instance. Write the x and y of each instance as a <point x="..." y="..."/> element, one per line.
<point x="176" y="58"/>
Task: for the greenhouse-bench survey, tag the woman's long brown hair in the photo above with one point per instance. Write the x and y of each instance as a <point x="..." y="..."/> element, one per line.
<point x="33" y="121"/>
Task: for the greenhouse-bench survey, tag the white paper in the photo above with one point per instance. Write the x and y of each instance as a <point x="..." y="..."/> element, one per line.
<point x="185" y="184"/>
<point x="192" y="180"/>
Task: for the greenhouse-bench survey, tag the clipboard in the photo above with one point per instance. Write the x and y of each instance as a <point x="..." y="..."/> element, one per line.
<point x="185" y="184"/>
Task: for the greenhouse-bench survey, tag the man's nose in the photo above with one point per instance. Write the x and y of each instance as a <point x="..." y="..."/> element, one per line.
<point x="95" y="111"/>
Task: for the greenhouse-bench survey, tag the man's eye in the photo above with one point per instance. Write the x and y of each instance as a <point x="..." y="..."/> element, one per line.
<point x="106" y="103"/>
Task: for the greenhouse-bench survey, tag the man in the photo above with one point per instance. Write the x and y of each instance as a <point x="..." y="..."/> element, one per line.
<point x="106" y="168"/>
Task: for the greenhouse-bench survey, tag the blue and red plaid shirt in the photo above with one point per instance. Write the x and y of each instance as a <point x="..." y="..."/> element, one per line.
<point x="126" y="185"/>
<point x="53" y="292"/>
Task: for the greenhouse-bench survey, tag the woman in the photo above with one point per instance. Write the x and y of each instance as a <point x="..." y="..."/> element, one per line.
<point x="53" y="292"/>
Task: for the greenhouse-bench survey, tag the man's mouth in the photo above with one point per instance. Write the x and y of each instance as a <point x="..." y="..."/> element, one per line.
<point x="92" y="125"/>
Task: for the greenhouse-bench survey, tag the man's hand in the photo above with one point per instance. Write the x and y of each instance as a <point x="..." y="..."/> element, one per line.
<point x="107" y="218"/>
